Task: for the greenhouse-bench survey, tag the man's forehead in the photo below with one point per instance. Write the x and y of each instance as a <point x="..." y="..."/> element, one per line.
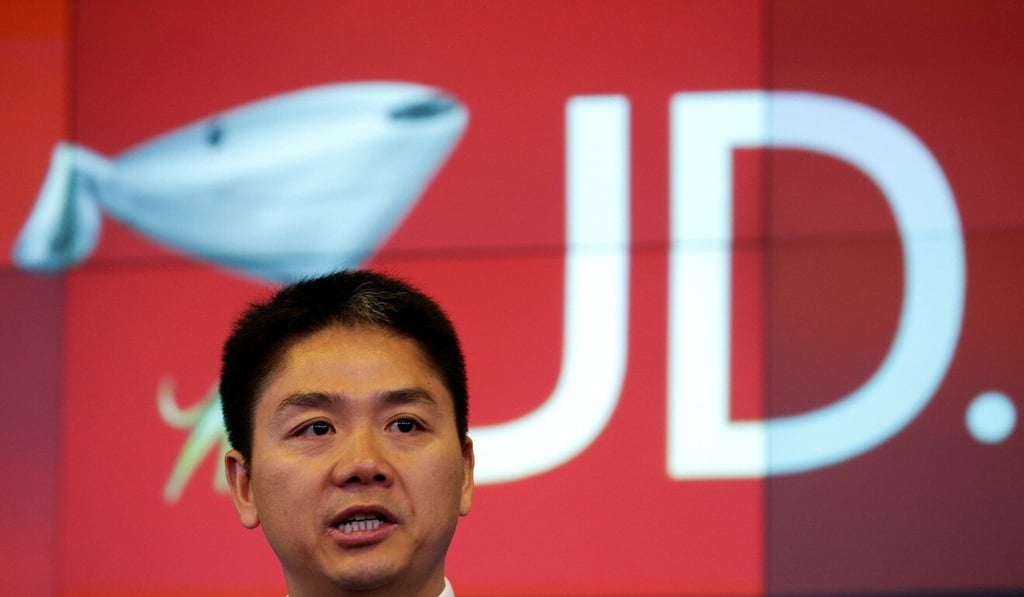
<point x="385" y="343"/>
<point x="385" y="340"/>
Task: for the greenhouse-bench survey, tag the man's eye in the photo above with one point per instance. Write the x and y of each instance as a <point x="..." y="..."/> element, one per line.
<point x="405" y="425"/>
<point x="317" y="428"/>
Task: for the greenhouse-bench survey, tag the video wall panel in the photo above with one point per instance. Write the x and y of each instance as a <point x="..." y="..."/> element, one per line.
<point x="762" y="256"/>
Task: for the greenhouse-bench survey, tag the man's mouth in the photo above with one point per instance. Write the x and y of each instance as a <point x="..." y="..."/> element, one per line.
<point x="361" y="522"/>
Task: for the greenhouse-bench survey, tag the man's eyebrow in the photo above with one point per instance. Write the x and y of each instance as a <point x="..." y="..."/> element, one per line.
<point x="408" y="396"/>
<point x="307" y="400"/>
<point x="326" y="401"/>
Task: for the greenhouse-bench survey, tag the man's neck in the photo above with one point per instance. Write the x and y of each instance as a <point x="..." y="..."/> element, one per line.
<point x="386" y="591"/>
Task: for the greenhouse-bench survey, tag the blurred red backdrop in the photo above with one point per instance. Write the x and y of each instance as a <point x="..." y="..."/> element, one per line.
<point x="817" y="288"/>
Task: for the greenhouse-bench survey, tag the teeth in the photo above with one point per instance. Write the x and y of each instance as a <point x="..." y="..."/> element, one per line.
<point x="361" y="522"/>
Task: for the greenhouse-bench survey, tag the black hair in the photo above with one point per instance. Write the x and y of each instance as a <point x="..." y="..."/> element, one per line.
<point x="267" y="329"/>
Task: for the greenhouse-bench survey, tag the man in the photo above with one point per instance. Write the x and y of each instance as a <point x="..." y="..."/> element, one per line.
<point x="345" y="402"/>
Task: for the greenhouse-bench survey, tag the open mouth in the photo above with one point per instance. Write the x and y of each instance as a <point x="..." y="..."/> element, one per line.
<point x="361" y="522"/>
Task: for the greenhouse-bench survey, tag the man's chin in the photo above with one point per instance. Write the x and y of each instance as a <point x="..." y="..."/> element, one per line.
<point x="385" y="568"/>
<point x="368" y="573"/>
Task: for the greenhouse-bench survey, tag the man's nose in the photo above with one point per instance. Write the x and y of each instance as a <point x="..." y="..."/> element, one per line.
<point x="362" y="460"/>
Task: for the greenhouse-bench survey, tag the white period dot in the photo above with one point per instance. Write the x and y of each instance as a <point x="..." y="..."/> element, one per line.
<point x="991" y="417"/>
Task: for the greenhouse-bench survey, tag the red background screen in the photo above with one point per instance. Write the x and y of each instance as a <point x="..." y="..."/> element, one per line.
<point x="817" y="285"/>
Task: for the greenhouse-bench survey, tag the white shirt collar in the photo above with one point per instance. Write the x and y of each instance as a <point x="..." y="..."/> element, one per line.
<point x="447" y="592"/>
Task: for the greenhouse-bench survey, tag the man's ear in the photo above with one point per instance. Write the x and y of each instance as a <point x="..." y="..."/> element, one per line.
<point x="469" y="461"/>
<point x="240" y="484"/>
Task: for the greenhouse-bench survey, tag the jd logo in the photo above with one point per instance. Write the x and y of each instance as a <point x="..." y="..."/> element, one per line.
<point x="702" y="440"/>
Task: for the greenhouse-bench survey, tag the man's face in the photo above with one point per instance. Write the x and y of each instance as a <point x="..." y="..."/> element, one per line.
<point x="357" y="473"/>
